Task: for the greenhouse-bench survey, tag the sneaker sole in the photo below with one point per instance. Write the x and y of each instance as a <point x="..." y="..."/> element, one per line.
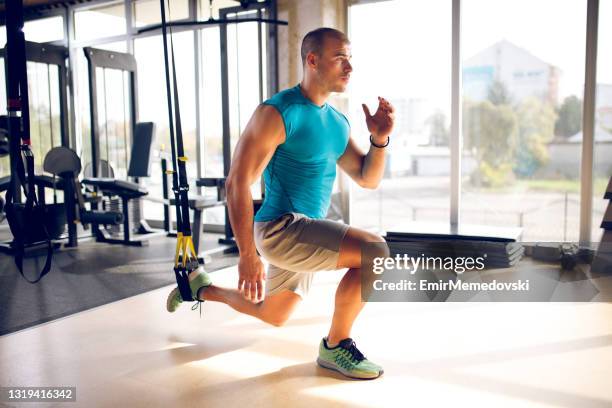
<point x="331" y="366"/>
<point x="170" y="296"/>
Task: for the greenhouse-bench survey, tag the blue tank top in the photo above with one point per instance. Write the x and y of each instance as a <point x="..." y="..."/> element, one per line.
<point x="301" y="173"/>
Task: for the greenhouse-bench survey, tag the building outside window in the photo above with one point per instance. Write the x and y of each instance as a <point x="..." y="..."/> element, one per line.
<point x="523" y="87"/>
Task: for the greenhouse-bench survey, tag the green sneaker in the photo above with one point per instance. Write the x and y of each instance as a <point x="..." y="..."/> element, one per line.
<point x="347" y="360"/>
<point x="195" y="283"/>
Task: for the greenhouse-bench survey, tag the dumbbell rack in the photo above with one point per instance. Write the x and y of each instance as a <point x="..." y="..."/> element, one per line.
<point x="602" y="262"/>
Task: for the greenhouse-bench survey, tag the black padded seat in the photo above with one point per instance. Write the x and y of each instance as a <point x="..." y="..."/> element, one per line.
<point x="140" y="163"/>
<point x="126" y="190"/>
<point x="41" y="180"/>
<point x="199" y="202"/>
<point x="121" y="188"/>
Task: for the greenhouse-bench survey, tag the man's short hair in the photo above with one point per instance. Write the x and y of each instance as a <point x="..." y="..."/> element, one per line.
<point x="315" y="40"/>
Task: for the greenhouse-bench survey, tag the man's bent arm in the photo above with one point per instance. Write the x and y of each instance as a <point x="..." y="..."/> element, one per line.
<point x="264" y="132"/>
<point x="365" y="169"/>
<point x="373" y="167"/>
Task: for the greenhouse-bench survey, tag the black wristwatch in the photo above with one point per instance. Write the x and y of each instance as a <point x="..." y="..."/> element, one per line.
<point x="379" y="146"/>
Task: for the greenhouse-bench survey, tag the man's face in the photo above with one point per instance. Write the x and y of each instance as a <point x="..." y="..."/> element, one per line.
<point x="333" y="65"/>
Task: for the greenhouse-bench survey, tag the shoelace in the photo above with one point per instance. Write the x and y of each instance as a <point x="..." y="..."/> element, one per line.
<point x="355" y="353"/>
<point x="197" y="305"/>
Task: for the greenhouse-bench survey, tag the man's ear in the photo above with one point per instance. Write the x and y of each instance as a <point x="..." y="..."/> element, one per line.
<point x="311" y="60"/>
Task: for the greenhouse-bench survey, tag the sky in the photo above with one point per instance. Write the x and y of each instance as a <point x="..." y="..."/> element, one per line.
<point x="403" y="47"/>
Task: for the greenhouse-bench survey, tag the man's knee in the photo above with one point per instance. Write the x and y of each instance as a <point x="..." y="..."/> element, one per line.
<point x="354" y="244"/>
<point x="378" y="246"/>
<point x="277" y="309"/>
<point x="277" y="321"/>
<point x="276" y="318"/>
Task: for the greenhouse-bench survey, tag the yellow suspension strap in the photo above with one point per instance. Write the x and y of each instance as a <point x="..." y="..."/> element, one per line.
<point x="185" y="257"/>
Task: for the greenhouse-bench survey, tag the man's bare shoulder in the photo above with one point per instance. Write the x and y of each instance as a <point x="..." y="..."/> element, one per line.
<point x="266" y="118"/>
<point x="266" y="124"/>
<point x="268" y="112"/>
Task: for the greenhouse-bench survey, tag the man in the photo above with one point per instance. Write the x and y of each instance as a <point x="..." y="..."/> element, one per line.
<point x="296" y="139"/>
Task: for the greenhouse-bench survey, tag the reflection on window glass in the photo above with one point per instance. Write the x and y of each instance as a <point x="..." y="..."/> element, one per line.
<point x="153" y="106"/>
<point x="99" y="22"/>
<point x="147" y="12"/>
<point x="523" y="78"/>
<point x="44" y="29"/>
<point x="416" y="80"/>
<point x="602" y="163"/>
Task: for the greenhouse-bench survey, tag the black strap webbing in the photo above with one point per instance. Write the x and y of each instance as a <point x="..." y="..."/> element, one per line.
<point x="26" y="220"/>
<point x="185" y="260"/>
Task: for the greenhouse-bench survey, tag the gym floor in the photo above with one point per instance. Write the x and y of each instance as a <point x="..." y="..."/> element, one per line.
<point x="93" y="274"/>
<point x="133" y="353"/>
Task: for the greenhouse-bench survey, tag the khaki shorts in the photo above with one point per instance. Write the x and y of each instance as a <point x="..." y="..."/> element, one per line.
<point x="295" y="247"/>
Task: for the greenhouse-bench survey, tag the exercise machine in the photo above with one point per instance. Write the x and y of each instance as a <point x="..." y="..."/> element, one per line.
<point x="65" y="164"/>
<point x="129" y="192"/>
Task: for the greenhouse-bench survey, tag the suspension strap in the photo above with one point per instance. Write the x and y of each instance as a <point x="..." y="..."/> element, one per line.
<point x="185" y="257"/>
<point x="27" y="221"/>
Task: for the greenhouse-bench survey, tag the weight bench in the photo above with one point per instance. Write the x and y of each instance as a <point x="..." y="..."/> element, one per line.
<point x="198" y="204"/>
<point x="126" y="191"/>
<point x="140" y="165"/>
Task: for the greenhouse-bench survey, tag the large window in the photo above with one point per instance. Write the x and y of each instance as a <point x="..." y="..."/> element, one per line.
<point x="602" y="162"/>
<point x="153" y="104"/>
<point x="44" y="91"/>
<point x="523" y="81"/>
<point x="81" y="92"/>
<point x="523" y="89"/>
<point x="243" y="67"/>
<point x="44" y="98"/>
<point x="414" y="75"/>
<point x="211" y="127"/>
